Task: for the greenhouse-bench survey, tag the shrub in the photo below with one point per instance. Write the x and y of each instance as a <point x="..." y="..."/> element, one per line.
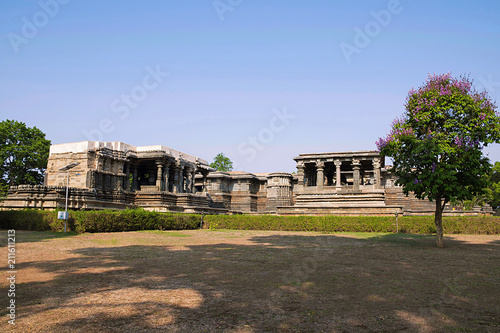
<point x="98" y="221"/>
<point x="330" y="223"/>
<point x="139" y="219"/>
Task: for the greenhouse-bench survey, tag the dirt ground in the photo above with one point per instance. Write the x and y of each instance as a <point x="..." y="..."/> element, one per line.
<point x="252" y="281"/>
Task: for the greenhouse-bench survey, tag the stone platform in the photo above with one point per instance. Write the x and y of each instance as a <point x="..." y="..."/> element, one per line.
<point x="350" y="211"/>
<point x="372" y="198"/>
<point x="54" y="197"/>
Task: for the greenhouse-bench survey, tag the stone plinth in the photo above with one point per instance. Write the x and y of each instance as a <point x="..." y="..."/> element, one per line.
<point x="374" y="198"/>
<point x="350" y="211"/>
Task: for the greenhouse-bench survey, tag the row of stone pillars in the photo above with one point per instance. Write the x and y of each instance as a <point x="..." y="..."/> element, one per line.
<point x="356" y="165"/>
<point x="183" y="177"/>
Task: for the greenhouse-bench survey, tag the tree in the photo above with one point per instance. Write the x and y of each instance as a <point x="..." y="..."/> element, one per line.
<point x="493" y="190"/>
<point x="24" y="152"/>
<point x="437" y="144"/>
<point x="222" y="163"/>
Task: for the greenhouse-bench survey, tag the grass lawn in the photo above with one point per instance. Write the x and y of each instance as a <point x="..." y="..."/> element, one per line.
<point x="252" y="281"/>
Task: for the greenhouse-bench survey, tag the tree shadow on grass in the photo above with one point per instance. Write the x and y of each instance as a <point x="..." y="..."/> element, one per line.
<point x="276" y="283"/>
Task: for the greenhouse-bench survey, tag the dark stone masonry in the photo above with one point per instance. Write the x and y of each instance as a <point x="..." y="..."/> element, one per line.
<point x="115" y="175"/>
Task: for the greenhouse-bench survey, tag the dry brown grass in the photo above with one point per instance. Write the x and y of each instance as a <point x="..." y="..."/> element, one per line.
<point x="253" y="281"/>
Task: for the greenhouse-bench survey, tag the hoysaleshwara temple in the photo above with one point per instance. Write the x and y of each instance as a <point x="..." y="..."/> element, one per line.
<point x="115" y="175"/>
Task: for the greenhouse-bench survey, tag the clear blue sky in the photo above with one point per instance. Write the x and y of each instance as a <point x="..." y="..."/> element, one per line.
<point x="68" y="70"/>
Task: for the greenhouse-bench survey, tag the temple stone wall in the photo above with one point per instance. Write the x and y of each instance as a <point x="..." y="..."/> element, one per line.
<point x="54" y="197"/>
<point x="236" y="191"/>
<point x="78" y="175"/>
<point x="115" y="175"/>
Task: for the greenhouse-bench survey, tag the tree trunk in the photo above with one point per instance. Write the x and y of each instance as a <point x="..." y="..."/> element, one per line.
<point x="438" y="221"/>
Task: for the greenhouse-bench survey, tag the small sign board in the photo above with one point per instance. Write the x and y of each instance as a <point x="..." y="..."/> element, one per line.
<point x="62" y="215"/>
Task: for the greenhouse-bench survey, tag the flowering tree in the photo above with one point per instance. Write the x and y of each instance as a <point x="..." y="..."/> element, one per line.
<point x="437" y="144"/>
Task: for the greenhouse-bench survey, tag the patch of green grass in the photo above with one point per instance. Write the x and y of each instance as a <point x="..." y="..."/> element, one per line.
<point x="224" y="230"/>
<point x="37" y="236"/>
<point x="112" y="241"/>
<point x="362" y="235"/>
<point x="176" y="234"/>
<point x="158" y="232"/>
<point x="387" y="237"/>
<point x="407" y="239"/>
<point x="165" y="233"/>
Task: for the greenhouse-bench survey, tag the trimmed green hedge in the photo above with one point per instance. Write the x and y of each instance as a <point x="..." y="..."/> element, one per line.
<point x="98" y="221"/>
<point x="489" y="225"/>
<point x="139" y="219"/>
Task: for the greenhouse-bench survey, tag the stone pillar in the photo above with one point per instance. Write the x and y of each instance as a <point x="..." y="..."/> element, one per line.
<point x="338" y="179"/>
<point x="188" y="180"/>
<point x="181" y="180"/>
<point x="134" y="179"/>
<point x="127" y="177"/>
<point x="176" y="179"/>
<point x="159" y="174"/>
<point x="300" y="173"/>
<point x="166" y="176"/>
<point x="204" y="173"/>
<point x="193" y="174"/>
<point x="355" y="168"/>
<point x="320" y="179"/>
<point x="119" y="180"/>
<point x="376" y="171"/>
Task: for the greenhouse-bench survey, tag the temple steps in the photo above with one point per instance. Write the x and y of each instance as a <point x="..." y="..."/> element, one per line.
<point x="360" y="199"/>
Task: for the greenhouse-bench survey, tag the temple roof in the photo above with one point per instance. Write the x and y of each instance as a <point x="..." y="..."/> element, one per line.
<point x="82" y="146"/>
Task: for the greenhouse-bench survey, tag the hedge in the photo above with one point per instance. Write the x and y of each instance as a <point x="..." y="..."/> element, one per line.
<point x="488" y="225"/>
<point x="139" y="219"/>
<point x="98" y="221"/>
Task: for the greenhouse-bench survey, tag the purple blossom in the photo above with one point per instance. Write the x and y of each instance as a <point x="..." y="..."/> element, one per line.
<point x="433" y="167"/>
<point x="443" y="84"/>
<point x="416" y="181"/>
<point x="402" y="131"/>
<point x="381" y="143"/>
<point x="467" y="143"/>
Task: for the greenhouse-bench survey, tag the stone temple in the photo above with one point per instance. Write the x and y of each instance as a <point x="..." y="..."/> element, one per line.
<point x="115" y="175"/>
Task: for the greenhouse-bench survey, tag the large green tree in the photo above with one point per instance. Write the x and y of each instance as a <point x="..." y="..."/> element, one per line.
<point x="24" y="152"/>
<point x="436" y="145"/>
<point x="493" y="191"/>
<point x="222" y="163"/>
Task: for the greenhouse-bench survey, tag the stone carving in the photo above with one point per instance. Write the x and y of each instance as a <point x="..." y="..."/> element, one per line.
<point x="115" y="175"/>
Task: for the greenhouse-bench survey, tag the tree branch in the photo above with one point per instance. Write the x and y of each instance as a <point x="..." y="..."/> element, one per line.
<point x="444" y="203"/>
